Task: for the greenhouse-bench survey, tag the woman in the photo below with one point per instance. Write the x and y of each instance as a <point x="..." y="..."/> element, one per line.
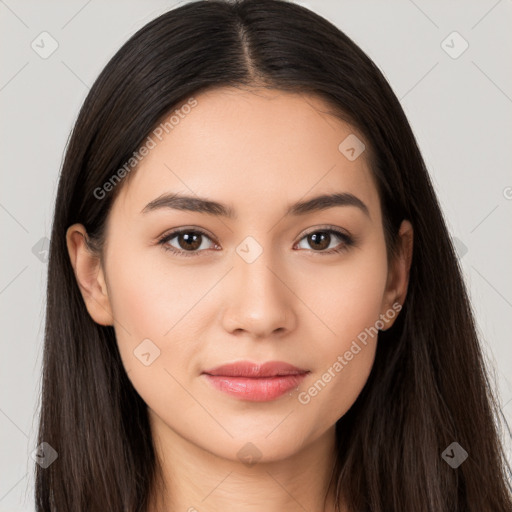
<point x="253" y="299"/>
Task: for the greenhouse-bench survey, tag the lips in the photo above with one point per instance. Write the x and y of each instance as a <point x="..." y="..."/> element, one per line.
<point x="248" y="369"/>
<point x="254" y="381"/>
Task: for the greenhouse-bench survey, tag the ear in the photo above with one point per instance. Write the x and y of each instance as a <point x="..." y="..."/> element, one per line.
<point x="89" y="275"/>
<point x="398" y="273"/>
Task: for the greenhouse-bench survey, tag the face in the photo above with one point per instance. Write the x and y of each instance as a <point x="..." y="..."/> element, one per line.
<point x="303" y="286"/>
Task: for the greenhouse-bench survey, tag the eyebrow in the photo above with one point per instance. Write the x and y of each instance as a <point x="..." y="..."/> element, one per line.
<point x="202" y="205"/>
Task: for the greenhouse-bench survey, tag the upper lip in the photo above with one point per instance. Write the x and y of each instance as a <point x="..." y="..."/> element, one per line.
<point x="249" y="369"/>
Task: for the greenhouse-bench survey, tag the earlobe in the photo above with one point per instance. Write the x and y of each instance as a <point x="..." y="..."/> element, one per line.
<point x="89" y="275"/>
<point x="399" y="271"/>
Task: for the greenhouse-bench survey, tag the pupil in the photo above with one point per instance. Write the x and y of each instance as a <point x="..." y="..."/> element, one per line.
<point x="192" y="240"/>
<point x="315" y="238"/>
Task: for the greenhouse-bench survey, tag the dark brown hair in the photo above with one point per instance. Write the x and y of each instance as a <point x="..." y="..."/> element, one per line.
<point x="429" y="385"/>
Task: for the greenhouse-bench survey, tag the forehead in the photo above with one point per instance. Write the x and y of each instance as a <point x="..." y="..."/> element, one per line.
<point x="253" y="149"/>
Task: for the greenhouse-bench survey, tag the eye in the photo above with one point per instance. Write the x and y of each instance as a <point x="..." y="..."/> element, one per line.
<point x="189" y="241"/>
<point x="321" y="239"/>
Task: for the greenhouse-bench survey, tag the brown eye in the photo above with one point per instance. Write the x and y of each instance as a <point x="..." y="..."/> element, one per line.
<point x="320" y="241"/>
<point x="189" y="242"/>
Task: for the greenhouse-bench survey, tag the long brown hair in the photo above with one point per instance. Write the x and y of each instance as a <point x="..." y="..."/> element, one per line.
<point x="428" y="387"/>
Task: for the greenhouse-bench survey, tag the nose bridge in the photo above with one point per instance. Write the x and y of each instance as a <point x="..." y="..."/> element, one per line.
<point x="259" y="301"/>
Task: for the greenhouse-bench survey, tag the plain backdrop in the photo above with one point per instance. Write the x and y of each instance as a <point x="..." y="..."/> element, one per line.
<point x="456" y="90"/>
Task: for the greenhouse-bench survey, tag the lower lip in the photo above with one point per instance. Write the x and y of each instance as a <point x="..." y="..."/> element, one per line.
<point x="261" y="389"/>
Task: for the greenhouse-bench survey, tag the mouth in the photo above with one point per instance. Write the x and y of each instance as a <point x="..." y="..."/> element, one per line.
<point x="256" y="382"/>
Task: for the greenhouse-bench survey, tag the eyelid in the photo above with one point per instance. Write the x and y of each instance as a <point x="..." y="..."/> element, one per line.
<point x="344" y="235"/>
<point x="325" y="227"/>
<point x="173" y="233"/>
<point x="185" y="229"/>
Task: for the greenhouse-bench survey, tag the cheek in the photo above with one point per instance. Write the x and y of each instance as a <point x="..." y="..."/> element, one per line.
<point x="149" y="304"/>
<point x="148" y="294"/>
<point x="347" y="297"/>
<point x="153" y="309"/>
<point x="348" y="302"/>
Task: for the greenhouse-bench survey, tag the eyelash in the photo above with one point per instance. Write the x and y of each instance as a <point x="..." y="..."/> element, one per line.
<point x="347" y="241"/>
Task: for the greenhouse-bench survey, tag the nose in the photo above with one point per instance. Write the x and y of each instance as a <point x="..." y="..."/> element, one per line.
<point x="259" y="301"/>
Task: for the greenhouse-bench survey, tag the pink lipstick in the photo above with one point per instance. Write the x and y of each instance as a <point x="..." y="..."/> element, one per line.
<point x="257" y="382"/>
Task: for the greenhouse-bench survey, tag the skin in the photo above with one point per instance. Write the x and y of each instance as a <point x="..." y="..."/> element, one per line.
<point x="257" y="151"/>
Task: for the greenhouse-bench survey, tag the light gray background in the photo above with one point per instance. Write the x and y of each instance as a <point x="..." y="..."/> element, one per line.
<point x="460" y="110"/>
